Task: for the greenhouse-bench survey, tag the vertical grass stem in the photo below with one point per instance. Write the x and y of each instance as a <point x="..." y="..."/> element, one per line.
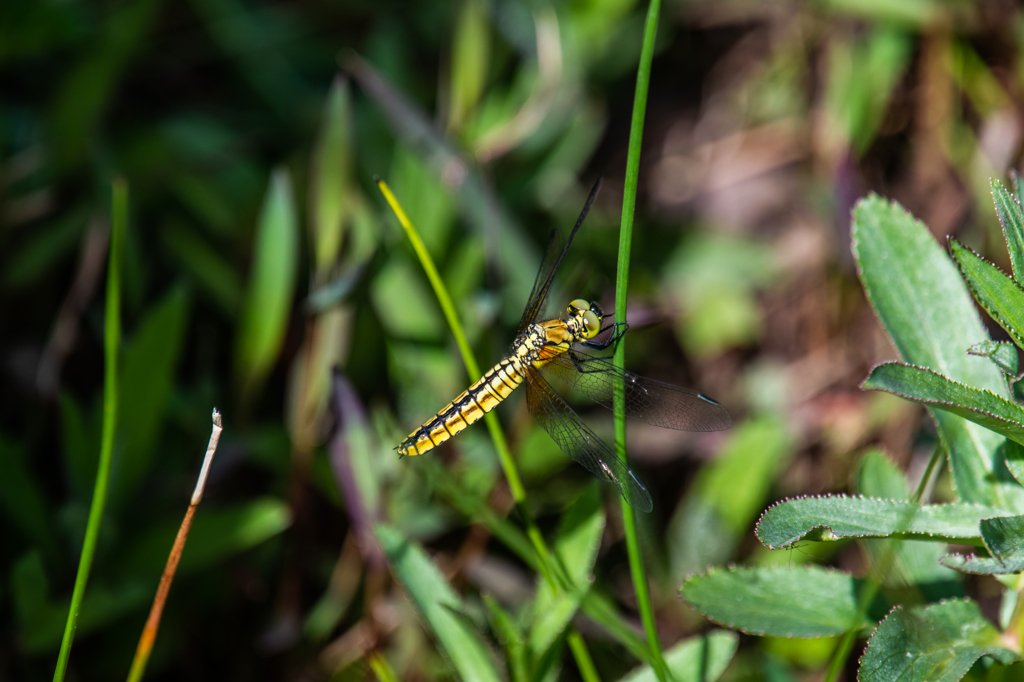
<point x="111" y="344"/>
<point x="636" y="131"/>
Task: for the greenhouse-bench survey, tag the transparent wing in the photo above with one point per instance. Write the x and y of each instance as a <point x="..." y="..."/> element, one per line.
<point x="553" y="255"/>
<point x="650" y="401"/>
<point x="548" y="265"/>
<point x="579" y="442"/>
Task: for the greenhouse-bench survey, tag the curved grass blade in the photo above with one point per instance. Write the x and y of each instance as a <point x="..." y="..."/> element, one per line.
<point x="440" y="606"/>
<point x="111" y="346"/>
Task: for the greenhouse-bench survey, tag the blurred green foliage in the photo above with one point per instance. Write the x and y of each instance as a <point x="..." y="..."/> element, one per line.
<point x="259" y="256"/>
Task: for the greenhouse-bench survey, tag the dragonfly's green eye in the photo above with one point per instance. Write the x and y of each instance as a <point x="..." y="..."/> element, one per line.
<point x="591" y="324"/>
<point x="577" y="305"/>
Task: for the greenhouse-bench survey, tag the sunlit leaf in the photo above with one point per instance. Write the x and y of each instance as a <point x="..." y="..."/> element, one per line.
<point x="1011" y="217"/>
<point x="1004" y="540"/>
<point x="922" y="302"/>
<point x="839" y="516"/>
<point x="935" y="643"/>
<point x="995" y="292"/>
<point x="924" y="386"/>
<point x="1002" y="353"/>
<point x="780" y="602"/>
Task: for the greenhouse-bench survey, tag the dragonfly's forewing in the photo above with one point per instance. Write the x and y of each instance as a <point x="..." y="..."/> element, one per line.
<point x="650" y="401"/>
<point x="553" y="255"/>
<point x="579" y="442"/>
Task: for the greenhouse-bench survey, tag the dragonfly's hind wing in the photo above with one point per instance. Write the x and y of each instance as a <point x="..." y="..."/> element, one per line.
<point x="579" y="442"/>
<point x="553" y="255"/>
<point x="650" y="401"/>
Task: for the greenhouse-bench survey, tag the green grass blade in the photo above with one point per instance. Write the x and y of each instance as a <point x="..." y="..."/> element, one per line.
<point x="440" y="606"/>
<point x="636" y="131"/>
<point x="268" y="301"/>
<point x="112" y="337"/>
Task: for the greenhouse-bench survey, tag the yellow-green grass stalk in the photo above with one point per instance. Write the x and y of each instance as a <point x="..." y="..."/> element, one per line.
<point x="381" y="668"/>
<point x="636" y="131"/>
<point x="584" y="663"/>
<point x="547" y="567"/>
<point x="111" y="346"/>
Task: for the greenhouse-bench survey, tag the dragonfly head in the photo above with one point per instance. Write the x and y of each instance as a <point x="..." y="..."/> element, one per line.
<point x="589" y="316"/>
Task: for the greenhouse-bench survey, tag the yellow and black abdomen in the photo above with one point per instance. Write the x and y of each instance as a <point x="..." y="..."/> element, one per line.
<point x="474" y="403"/>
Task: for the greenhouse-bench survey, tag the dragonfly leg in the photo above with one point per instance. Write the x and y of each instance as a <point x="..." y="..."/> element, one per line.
<point x="580" y="365"/>
<point x="619" y="329"/>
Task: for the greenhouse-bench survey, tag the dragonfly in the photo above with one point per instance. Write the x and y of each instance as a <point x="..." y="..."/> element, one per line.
<point x="554" y="346"/>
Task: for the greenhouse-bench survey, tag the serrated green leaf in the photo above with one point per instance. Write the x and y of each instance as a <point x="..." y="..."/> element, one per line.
<point x="999" y="295"/>
<point x="1004" y="539"/>
<point x="927" y="387"/>
<point x="698" y="659"/>
<point x="329" y="179"/>
<point x="935" y="643"/>
<point x="150" y="360"/>
<point x="839" y="516"/>
<point x="917" y="294"/>
<point x="268" y="299"/>
<point x="576" y="545"/>
<point x="1004" y="536"/>
<point x="1015" y="460"/>
<point x="981" y="565"/>
<point x="439" y="605"/>
<point x="1011" y="217"/>
<point x="809" y="601"/>
<point x="1002" y="353"/>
